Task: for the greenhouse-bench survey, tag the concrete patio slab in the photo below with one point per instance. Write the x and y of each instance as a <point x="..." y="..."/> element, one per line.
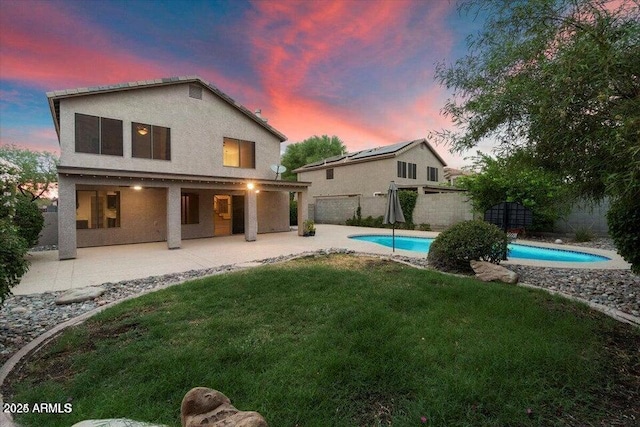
<point x="95" y="266"/>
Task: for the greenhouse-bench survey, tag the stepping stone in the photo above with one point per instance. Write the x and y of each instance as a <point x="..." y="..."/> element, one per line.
<point x="115" y="422"/>
<point x="79" y="295"/>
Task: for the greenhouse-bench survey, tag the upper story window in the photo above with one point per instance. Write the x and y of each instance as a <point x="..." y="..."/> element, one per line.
<point x="330" y="173"/>
<point x="150" y="142"/>
<point x="407" y="170"/>
<point x="413" y="170"/>
<point x="238" y="153"/>
<point x="98" y="135"/>
<point x="432" y="174"/>
<point x="402" y="169"/>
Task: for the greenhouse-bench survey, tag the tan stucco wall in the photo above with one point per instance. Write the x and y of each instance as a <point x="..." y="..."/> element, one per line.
<point x="373" y="176"/>
<point x="197" y="131"/>
<point x="440" y="210"/>
<point x="273" y="211"/>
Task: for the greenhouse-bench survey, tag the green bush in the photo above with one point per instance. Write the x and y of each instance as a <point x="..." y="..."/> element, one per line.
<point x="408" y="204"/>
<point x="424" y="227"/>
<point x="454" y="248"/>
<point x="29" y="220"/>
<point x="369" y="221"/>
<point x="293" y="212"/>
<point x="623" y="219"/>
<point x="584" y="234"/>
<point x="13" y="264"/>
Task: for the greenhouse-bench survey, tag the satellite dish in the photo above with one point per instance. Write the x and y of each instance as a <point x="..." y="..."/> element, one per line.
<point x="278" y="169"/>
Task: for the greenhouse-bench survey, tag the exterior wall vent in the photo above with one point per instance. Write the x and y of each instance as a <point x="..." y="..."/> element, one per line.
<point x="195" y="91"/>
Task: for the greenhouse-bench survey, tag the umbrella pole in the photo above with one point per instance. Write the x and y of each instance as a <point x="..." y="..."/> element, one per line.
<point x="393" y="240"/>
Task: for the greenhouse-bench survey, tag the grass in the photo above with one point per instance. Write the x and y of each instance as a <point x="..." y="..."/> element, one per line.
<point x="342" y="341"/>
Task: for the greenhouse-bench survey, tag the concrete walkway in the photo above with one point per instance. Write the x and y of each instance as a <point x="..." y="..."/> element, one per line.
<point x="94" y="266"/>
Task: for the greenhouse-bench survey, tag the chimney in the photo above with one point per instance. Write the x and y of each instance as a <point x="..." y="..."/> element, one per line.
<point x="258" y="113"/>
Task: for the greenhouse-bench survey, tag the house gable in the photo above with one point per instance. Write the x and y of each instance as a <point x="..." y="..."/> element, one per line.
<point x="54" y="97"/>
<point x="198" y="128"/>
<point x="369" y="172"/>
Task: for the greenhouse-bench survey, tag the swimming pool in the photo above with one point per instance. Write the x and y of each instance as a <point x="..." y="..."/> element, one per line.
<point x="422" y="244"/>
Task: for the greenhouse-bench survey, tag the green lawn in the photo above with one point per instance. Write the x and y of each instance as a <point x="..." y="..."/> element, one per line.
<point x="341" y="341"/>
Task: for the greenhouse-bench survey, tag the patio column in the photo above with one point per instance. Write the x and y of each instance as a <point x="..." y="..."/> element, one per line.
<point x="303" y="211"/>
<point x="67" y="243"/>
<point x="174" y="223"/>
<point x="250" y="215"/>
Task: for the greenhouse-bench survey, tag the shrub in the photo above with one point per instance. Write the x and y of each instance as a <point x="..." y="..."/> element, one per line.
<point x="293" y="212"/>
<point x="368" y="222"/>
<point x="584" y="234"/>
<point x="424" y="227"/>
<point x="29" y="220"/>
<point x="408" y="204"/>
<point x="13" y="265"/>
<point x="454" y="248"/>
<point x="623" y="219"/>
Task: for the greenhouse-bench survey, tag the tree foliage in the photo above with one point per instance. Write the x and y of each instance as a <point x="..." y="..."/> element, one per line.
<point x="13" y="247"/>
<point x="310" y="150"/>
<point x="38" y="169"/>
<point x="560" y="78"/>
<point x="29" y="220"/>
<point x="518" y="179"/>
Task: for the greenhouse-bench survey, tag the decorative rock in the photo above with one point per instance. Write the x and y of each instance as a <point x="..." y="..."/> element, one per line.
<point x="114" y="422"/>
<point x="558" y="241"/>
<point x="488" y="272"/>
<point x="205" y="407"/>
<point x="79" y="295"/>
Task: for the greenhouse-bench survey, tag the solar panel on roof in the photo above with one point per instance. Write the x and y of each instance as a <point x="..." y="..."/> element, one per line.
<point x="381" y="150"/>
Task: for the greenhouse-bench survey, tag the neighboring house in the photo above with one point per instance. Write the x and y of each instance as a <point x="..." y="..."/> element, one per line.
<point x="343" y="186"/>
<point x="451" y="175"/>
<point x="412" y="165"/>
<point x="164" y="160"/>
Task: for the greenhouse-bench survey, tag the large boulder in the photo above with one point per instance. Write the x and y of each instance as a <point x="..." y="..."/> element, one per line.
<point x="488" y="272"/>
<point x="205" y="407"/>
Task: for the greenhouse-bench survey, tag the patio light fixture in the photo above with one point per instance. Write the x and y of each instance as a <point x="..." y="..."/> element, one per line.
<point x="137" y="187"/>
<point x="250" y="185"/>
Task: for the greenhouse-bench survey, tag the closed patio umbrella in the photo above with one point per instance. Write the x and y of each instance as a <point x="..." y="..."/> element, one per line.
<point x="393" y="213"/>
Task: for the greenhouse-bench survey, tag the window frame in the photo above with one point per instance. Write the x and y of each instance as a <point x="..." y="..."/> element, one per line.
<point x="243" y="145"/>
<point x="189" y="208"/>
<point x="102" y="203"/>
<point x="107" y="144"/>
<point x="432" y="174"/>
<point x="329" y="173"/>
<point x="139" y="152"/>
<point x="402" y="169"/>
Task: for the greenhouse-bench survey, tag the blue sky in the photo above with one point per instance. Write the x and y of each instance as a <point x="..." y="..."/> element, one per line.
<point x="362" y="70"/>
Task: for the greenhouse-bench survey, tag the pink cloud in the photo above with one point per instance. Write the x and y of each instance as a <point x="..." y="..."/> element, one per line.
<point x="37" y="139"/>
<point x="307" y="53"/>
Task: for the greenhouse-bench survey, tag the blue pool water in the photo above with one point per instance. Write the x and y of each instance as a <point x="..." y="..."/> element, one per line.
<point x="421" y="244"/>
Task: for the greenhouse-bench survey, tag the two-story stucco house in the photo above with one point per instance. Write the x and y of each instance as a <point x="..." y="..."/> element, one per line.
<point x="357" y="183"/>
<point x="412" y="165"/>
<point x="164" y="160"/>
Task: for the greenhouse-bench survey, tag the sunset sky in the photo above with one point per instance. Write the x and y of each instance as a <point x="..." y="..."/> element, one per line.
<point x="362" y="70"/>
